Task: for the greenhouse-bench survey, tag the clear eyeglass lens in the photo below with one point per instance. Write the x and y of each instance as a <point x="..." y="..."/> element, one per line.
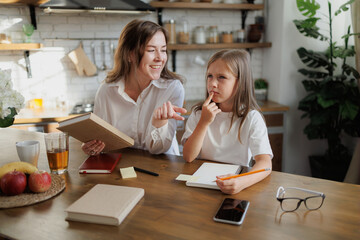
<point x="313" y="202"/>
<point x="289" y="204"/>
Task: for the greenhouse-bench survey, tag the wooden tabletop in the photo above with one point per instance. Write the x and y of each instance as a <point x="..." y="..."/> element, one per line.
<point x="171" y="210"/>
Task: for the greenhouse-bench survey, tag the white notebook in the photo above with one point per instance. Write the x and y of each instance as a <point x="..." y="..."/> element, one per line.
<point x="206" y="174"/>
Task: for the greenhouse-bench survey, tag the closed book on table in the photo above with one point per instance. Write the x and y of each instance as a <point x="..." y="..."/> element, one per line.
<point x="101" y="163"/>
<point x="89" y="126"/>
<point x="206" y="174"/>
<point x="105" y="204"/>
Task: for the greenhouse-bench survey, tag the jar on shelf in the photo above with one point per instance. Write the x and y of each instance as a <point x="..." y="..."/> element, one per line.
<point x="170" y="27"/>
<point x="255" y="32"/>
<point x="227" y="37"/>
<point x="213" y="34"/>
<point x="183" y="33"/>
<point x="199" y="35"/>
<point x="240" y="36"/>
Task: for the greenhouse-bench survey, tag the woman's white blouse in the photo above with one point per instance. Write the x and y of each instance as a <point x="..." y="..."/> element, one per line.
<point x="134" y="118"/>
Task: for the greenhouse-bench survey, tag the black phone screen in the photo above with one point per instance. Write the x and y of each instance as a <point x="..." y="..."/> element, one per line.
<point x="232" y="210"/>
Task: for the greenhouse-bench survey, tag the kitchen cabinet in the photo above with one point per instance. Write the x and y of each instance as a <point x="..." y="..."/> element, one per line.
<point x="244" y="8"/>
<point x="20" y="46"/>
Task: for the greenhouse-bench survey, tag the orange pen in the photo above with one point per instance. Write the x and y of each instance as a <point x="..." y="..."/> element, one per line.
<point x="244" y="174"/>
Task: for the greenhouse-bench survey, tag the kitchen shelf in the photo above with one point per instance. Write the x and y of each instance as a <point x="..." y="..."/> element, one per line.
<point x="28" y="2"/>
<point x="20" y="46"/>
<point x="243" y="7"/>
<point x="201" y="5"/>
<point x="217" y="46"/>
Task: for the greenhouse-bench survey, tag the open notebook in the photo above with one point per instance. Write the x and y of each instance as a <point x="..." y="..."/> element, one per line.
<point x="206" y="174"/>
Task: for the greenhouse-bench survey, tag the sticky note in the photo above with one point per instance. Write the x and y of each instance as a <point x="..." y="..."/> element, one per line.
<point x="183" y="177"/>
<point x="186" y="177"/>
<point x="128" y="172"/>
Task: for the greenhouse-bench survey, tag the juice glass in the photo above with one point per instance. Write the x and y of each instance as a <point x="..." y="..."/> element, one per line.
<point x="57" y="150"/>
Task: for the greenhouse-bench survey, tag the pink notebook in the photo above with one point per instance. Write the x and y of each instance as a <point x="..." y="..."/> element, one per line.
<point x="102" y="163"/>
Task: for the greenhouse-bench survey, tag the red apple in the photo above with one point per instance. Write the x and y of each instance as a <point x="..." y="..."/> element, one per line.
<point x="13" y="183"/>
<point x="39" y="181"/>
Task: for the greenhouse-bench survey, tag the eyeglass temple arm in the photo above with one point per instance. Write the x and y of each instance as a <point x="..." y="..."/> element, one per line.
<point x="306" y="190"/>
<point x="282" y="190"/>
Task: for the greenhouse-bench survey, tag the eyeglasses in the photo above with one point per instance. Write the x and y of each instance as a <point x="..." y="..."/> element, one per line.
<point x="290" y="204"/>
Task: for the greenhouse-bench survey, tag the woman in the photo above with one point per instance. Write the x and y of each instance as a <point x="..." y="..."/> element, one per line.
<point x="140" y="96"/>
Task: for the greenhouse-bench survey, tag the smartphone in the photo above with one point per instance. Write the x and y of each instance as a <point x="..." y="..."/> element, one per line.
<point x="232" y="211"/>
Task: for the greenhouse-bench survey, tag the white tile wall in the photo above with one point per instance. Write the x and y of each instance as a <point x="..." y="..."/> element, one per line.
<point x="54" y="75"/>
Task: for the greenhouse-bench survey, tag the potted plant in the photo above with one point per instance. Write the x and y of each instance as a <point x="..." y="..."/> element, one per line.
<point x="261" y="89"/>
<point x="332" y="101"/>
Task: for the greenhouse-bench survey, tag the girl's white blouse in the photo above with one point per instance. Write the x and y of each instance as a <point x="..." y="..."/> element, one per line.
<point x="222" y="145"/>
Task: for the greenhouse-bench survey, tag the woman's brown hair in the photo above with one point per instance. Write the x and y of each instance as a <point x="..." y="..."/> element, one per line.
<point x="132" y="41"/>
<point x="238" y="62"/>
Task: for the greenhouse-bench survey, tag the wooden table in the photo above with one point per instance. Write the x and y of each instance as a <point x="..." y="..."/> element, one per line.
<point x="171" y="210"/>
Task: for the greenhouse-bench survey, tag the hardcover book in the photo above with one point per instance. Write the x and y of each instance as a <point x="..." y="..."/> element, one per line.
<point x="105" y="204"/>
<point x="101" y="163"/>
<point x="206" y="174"/>
<point x="89" y="126"/>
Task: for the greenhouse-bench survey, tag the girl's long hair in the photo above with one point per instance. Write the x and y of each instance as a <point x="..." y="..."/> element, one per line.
<point x="132" y="42"/>
<point x="238" y="62"/>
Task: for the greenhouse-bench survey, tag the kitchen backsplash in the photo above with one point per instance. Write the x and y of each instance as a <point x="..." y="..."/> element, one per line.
<point x="54" y="77"/>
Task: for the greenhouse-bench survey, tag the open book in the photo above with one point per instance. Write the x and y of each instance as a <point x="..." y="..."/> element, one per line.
<point x="105" y="204"/>
<point x="206" y="174"/>
<point x="101" y="163"/>
<point x="89" y="127"/>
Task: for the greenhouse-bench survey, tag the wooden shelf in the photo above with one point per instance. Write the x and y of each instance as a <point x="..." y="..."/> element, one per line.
<point x="20" y="46"/>
<point x="201" y="5"/>
<point x="27" y="2"/>
<point x="217" y="46"/>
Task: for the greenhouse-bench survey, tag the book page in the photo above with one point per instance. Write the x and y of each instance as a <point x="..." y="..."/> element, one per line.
<point x="207" y="172"/>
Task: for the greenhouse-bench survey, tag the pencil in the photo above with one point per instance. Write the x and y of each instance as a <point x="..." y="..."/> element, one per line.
<point x="244" y="174"/>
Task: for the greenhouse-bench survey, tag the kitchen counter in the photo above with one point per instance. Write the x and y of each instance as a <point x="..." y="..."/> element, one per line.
<point x="42" y="115"/>
<point x="45" y="115"/>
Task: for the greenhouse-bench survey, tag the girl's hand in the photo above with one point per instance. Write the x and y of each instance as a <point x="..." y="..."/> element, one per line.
<point x="93" y="147"/>
<point x="230" y="186"/>
<point x="165" y="112"/>
<point x="209" y="110"/>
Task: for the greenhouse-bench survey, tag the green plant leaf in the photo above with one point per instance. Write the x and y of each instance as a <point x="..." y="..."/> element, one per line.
<point x="350" y="34"/>
<point x="313" y="59"/>
<point x="348" y="110"/>
<point x="313" y="74"/>
<point x="344" y="7"/>
<point x="261" y="84"/>
<point x="325" y="103"/>
<point x="308" y="28"/>
<point x="310" y="85"/>
<point x="307" y="8"/>
<point x="342" y="52"/>
<point x="350" y="70"/>
<point x="9" y="119"/>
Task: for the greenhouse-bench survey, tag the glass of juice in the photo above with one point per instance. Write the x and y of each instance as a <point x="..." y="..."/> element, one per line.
<point x="57" y="150"/>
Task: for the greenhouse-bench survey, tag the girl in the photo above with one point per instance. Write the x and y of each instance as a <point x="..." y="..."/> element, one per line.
<point x="140" y="95"/>
<point x="228" y="127"/>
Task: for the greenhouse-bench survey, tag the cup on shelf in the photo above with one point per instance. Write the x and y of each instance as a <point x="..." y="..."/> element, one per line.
<point x="28" y="30"/>
<point x="57" y="150"/>
<point x="28" y="151"/>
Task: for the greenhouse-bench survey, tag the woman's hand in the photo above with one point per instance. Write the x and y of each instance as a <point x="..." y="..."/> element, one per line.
<point x="165" y="112"/>
<point x="93" y="147"/>
<point x="209" y="110"/>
